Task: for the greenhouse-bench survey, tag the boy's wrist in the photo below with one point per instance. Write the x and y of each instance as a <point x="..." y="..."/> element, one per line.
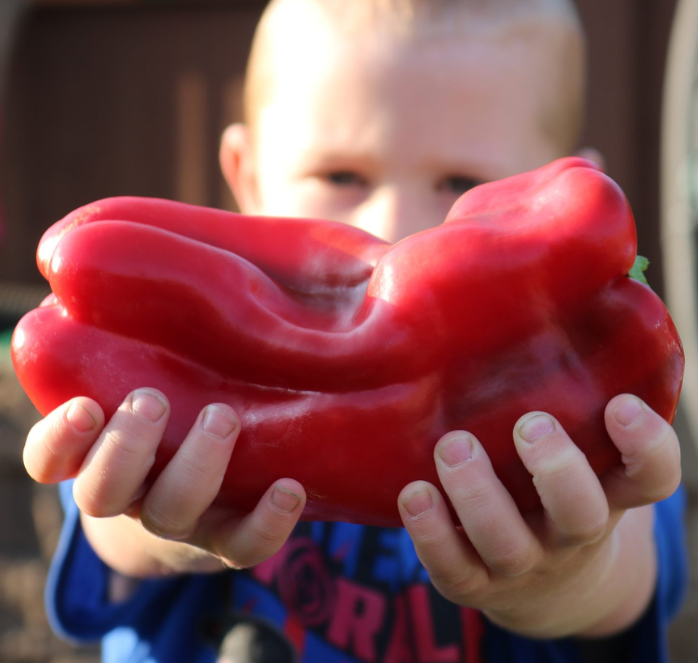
<point x="632" y="580"/>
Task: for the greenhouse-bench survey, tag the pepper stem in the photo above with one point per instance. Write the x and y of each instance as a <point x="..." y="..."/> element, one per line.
<point x="638" y="269"/>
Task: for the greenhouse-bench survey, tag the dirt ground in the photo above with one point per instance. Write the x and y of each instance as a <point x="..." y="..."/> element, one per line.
<point x="30" y="522"/>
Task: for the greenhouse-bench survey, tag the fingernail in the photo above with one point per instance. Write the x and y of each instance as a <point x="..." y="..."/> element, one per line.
<point x="146" y="404"/>
<point x="627" y="411"/>
<point x="217" y="422"/>
<point x="419" y="502"/>
<point x="284" y="500"/>
<point x="456" y="451"/>
<point x="536" y="427"/>
<point x="80" y="418"/>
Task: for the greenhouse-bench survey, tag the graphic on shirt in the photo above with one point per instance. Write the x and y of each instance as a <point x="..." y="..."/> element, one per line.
<point x="345" y="593"/>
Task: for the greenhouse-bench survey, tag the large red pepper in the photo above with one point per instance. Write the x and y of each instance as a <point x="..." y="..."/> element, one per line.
<point x="346" y="357"/>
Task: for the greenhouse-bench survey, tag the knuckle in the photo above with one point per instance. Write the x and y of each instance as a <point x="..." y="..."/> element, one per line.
<point x="658" y="472"/>
<point x="475" y="500"/>
<point x="668" y="454"/>
<point x="266" y="537"/>
<point x="512" y="563"/>
<point x="661" y="492"/>
<point x="557" y="464"/>
<point x="163" y="526"/>
<point x="125" y="445"/>
<point x="660" y="450"/>
<point x="89" y="507"/>
<point x="459" y="584"/>
<point x="255" y="550"/>
<point x="583" y="534"/>
<point x="91" y="502"/>
<point x="38" y="468"/>
<point x="49" y="454"/>
<point x="193" y="470"/>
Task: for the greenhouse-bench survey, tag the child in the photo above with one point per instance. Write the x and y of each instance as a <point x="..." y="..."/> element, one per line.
<point x="377" y="114"/>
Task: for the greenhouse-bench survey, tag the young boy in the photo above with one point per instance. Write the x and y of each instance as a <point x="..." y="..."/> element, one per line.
<point x="377" y="114"/>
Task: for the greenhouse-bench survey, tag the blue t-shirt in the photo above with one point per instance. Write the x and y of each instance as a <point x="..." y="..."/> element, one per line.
<point x="336" y="593"/>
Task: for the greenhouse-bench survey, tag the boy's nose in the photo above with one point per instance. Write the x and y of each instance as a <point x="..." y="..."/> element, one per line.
<point x="393" y="214"/>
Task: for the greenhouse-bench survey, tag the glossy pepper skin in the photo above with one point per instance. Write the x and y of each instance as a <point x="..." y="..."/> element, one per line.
<point x="346" y="357"/>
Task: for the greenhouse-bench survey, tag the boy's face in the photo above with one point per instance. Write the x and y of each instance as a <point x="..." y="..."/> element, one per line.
<point x="385" y="133"/>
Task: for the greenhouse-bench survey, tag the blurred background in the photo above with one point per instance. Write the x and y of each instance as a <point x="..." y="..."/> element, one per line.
<point x="129" y="97"/>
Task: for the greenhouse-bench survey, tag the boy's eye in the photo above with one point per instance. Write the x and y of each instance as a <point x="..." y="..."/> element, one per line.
<point x="345" y="178"/>
<point x="458" y="184"/>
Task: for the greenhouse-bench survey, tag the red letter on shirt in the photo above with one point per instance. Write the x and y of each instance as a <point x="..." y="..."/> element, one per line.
<point x="427" y="648"/>
<point x="358" y="618"/>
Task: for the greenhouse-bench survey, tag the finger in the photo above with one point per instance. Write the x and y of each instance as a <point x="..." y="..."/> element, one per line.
<point x="57" y="445"/>
<point x="191" y="480"/>
<point x="650" y="452"/>
<point x="486" y="510"/>
<point x="117" y="465"/>
<point x="574" y="501"/>
<point x="453" y="565"/>
<point x="263" y="532"/>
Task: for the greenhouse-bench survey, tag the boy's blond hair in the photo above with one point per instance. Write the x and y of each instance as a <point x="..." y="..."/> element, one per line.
<point x="412" y="19"/>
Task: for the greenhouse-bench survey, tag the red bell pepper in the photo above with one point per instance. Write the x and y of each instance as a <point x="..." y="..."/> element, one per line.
<point x="346" y="357"/>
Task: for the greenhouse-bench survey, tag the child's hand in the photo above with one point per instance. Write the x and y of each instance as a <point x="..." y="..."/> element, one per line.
<point x="583" y="565"/>
<point x="110" y="464"/>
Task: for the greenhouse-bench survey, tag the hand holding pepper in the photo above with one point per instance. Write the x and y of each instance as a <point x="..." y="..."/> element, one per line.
<point x="593" y="535"/>
<point x="170" y="526"/>
<point x="499" y="559"/>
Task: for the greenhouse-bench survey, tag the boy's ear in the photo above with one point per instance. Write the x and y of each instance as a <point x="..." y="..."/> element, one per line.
<point x="236" y="158"/>
<point x="593" y="155"/>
